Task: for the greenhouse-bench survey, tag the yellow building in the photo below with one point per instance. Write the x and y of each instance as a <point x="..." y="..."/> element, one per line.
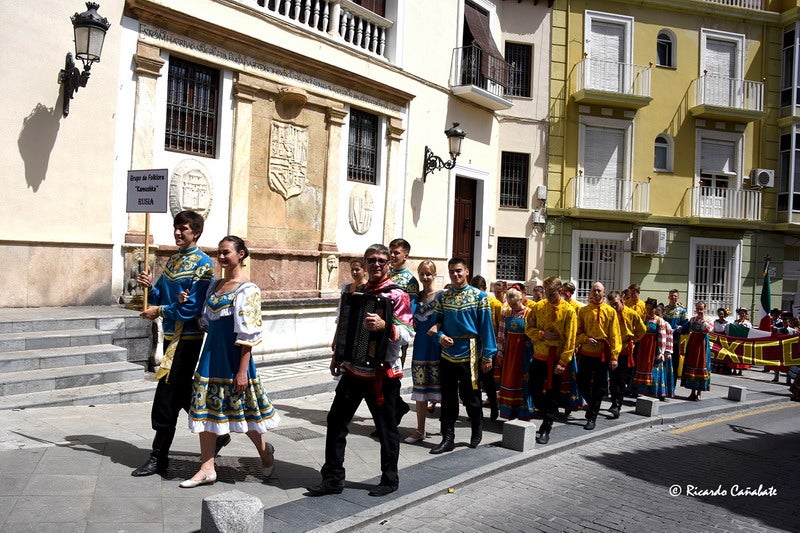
<point x="664" y="148"/>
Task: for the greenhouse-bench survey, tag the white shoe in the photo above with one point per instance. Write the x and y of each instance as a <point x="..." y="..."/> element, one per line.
<point x="269" y="470"/>
<point x="416" y="437"/>
<point x="208" y="479"/>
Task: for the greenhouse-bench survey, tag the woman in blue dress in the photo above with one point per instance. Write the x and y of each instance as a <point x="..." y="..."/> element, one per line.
<point x="228" y="396"/>
<point x="425" y="358"/>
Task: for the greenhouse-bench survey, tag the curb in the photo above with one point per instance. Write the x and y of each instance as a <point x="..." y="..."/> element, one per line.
<point x="374" y="514"/>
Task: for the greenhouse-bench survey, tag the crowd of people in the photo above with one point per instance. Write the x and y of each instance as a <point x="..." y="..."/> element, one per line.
<point x="542" y="355"/>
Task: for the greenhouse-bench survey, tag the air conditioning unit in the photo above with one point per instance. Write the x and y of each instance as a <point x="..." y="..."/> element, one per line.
<point x="651" y="241"/>
<point x="762" y="177"/>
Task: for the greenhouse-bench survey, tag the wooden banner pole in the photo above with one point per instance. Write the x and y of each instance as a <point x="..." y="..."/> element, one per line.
<point x="146" y="256"/>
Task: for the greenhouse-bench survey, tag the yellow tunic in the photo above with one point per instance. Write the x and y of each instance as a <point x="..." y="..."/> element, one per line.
<point x="497" y="308"/>
<point x="631" y="327"/>
<point x="639" y="306"/>
<point x="560" y="318"/>
<point x="598" y="322"/>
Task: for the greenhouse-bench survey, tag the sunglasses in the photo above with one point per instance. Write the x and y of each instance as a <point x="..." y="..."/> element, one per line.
<point x="377" y="261"/>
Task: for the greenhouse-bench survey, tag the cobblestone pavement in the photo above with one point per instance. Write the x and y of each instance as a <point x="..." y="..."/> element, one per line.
<point x="740" y="473"/>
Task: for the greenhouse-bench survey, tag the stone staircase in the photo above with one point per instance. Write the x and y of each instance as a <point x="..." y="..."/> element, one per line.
<point x="73" y="356"/>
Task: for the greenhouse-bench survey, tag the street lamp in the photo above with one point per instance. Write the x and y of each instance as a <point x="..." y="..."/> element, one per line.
<point x="433" y="162"/>
<point x="90" y="32"/>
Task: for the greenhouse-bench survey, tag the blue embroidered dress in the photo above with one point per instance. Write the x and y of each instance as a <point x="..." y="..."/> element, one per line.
<point x="233" y="320"/>
<point x="426" y="355"/>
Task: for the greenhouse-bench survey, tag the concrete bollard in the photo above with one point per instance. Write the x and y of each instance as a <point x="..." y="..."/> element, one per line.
<point x="232" y="512"/>
<point x="646" y="406"/>
<point x="519" y="435"/>
<point x="737" y="393"/>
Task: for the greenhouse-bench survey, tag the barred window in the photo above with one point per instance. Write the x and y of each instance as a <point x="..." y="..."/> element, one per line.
<point x="362" y="147"/>
<point x="511" y="253"/>
<point x="599" y="260"/>
<point x="714" y="275"/>
<point x="518" y="57"/>
<point x="514" y="179"/>
<point x="192" y="103"/>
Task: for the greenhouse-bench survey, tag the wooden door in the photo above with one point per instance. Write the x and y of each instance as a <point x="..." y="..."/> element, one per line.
<point x="464" y="221"/>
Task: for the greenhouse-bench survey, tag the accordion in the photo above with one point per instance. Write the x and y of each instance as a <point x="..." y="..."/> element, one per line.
<point x="354" y="343"/>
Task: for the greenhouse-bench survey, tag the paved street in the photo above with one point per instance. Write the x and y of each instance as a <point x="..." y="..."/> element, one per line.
<point x="626" y="483"/>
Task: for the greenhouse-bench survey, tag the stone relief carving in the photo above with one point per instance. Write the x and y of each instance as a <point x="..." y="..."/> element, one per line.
<point x="190" y="188"/>
<point x="361" y="206"/>
<point x="288" y="159"/>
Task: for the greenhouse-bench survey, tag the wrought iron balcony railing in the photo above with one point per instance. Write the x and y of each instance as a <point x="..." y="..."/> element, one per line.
<point x="613" y="77"/>
<point x="612" y="194"/>
<point x="718" y="202"/>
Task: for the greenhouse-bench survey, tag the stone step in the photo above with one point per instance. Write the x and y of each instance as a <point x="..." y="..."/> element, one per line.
<point x="22" y="325"/>
<point x="53" y="379"/>
<point x="19" y="361"/>
<point x="16" y="320"/>
<point x="35" y="340"/>
<point x="121" y="392"/>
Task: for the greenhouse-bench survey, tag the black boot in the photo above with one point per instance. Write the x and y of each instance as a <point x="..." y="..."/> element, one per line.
<point x="154" y="465"/>
<point x="448" y="439"/>
<point x="477" y="432"/>
<point x="543" y="436"/>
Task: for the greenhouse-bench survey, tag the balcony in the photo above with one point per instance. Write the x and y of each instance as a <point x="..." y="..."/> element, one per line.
<point x="723" y="203"/>
<point x="612" y="194"/>
<point x="612" y="83"/>
<point x="747" y="4"/>
<point x="342" y="21"/>
<point x="720" y="98"/>
<point x="480" y="78"/>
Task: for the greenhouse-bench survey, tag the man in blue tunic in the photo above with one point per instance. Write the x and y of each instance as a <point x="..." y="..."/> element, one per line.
<point x="188" y="271"/>
<point x="465" y="330"/>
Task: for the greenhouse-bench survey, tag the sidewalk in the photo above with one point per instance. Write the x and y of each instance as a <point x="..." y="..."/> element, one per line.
<point x="68" y="468"/>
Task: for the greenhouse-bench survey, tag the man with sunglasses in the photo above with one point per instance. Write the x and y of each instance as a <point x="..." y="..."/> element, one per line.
<point x="380" y="387"/>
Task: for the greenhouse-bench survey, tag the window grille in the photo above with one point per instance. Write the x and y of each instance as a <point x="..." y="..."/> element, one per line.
<point x="599" y="260"/>
<point x="518" y="57"/>
<point x="362" y="147"/>
<point x="192" y="103"/>
<point x="713" y="273"/>
<point x="511" y="253"/>
<point x="514" y="169"/>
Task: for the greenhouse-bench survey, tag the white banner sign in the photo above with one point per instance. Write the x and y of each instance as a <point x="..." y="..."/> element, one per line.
<point x="147" y="191"/>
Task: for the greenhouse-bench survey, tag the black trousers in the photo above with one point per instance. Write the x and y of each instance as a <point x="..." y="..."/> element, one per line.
<point x="489" y="386"/>
<point x="621" y="379"/>
<point x="592" y="383"/>
<point x="456" y="380"/>
<point x="349" y="393"/>
<point x="173" y="395"/>
<point x="545" y="401"/>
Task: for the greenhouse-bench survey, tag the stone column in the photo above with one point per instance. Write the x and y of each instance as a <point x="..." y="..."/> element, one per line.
<point x="148" y="70"/>
<point x="244" y="94"/>
<point x="328" y="277"/>
<point x="394" y="182"/>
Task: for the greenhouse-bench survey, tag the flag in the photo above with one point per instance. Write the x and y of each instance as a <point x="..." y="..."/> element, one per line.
<point x="766" y="299"/>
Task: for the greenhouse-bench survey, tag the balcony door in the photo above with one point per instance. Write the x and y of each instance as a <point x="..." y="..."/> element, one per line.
<point x="721" y="66"/>
<point x="607" y="45"/>
<point x="603" y="168"/>
<point x="606" y="56"/>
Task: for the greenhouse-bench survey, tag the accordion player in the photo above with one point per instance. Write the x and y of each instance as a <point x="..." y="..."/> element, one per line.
<point x="354" y="343"/>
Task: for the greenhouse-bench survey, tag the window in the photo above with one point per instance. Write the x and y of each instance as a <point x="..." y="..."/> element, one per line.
<point x="362" y="147"/>
<point x="787" y="67"/>
<point x="376" y="6"/>
<point x="714" y="273"/>
<point x="514" y="179"/>
<point x="518" y="57"/>
<point x="665" y="49"/>
<point x="598" y="260"/>
<point x="663" y="153"/>
<point x="192" y="103"/>
<point x="604" y="157"/>
<point x="789" y="171"/>
<point x="511" y="254"/>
